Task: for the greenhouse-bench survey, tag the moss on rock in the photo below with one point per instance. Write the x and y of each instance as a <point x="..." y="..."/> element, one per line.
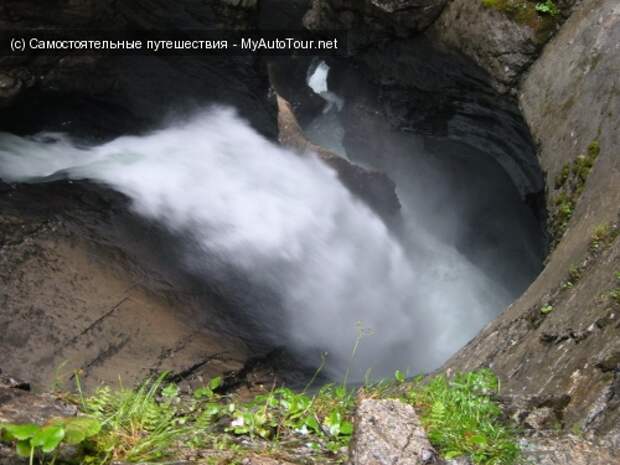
<point x="569" y="184"/>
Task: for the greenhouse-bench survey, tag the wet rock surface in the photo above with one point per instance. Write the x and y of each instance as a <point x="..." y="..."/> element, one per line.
<point x="81" y="291"/>
<point x="389" y="432"/>
<point x="560" y="338"/>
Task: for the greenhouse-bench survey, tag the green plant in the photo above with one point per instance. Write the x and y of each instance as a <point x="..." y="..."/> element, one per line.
<point x="570" y="183"/>
<point x="208" y="391"/>
<point x="562" y="176"/>
<point x="575" y="273"/>
<point x="136" y="425"/>
<point x="324" y="418"/>
<point x="31" y="439"/>
<point x="603" y="236"/>
<point x="547" y="7"/>
<point x="362" y="332"/>
<point x="462" y="419"/>
<point x="546" y="309"/>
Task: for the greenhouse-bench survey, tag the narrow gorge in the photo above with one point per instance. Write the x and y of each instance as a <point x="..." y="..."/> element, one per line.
<point x="437" y="202"/>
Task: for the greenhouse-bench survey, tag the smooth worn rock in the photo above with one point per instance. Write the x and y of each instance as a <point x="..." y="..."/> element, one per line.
<point x="570" y="99"/>
<point x="81" y="290"/>
<point x="389" y="432"/>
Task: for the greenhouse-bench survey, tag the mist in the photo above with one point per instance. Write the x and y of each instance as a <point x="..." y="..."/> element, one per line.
<point x="308" y="261"/>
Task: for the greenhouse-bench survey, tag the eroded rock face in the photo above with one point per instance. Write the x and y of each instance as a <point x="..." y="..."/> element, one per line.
<point x="138" y="91"/>
<point x="560" y="340"/>
<point x="389" y="432"/>
<point x="410" y="86"/>
<point x="368" y="20"/>
<point x="503" y="43"/>
<point x="82" y="289"/>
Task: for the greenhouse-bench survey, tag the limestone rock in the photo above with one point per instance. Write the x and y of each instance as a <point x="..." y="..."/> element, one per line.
<point x="389" y="432"/>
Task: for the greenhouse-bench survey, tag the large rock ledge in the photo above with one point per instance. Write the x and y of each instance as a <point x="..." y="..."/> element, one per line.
<point x="80" y="291"/>
<point x="560" y="342"/>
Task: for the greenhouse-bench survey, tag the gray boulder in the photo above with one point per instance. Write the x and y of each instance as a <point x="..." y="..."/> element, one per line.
<point x="389" y="432"/>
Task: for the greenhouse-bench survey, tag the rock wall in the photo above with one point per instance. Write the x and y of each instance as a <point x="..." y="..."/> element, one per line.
<point x="370" y="20"/>
<point x="129" y="94"/>
<point x="559" y="344"/>
<point x="502" y="36"/>
<point x="81" y="288"/>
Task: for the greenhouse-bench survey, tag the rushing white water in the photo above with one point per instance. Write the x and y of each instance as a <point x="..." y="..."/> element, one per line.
<point x="289" y="226"/>
<point x="317" y="81"/>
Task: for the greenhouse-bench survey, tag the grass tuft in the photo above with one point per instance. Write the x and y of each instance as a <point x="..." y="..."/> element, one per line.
<point x="155" y="423"/>
<point x="462" y="419"/>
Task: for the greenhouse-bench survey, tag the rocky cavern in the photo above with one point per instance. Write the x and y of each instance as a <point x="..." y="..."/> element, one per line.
<point x="402" y="248"/>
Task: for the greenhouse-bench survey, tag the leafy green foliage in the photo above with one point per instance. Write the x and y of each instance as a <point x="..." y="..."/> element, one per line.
<point x="324" y="419"/>
<point x="137" y="425"/>
<point x="462" y="419"/>
<point x="546" y="309"/>
<point x="548" y="7"/>
<point x="575" y="273"/>
<point x="208" y="391"/>
<point x="540" y="16"/>
<point x="399" y="376"/>
<point x="31" y="439"/>
<point x="148" y="423"/>
<point x="156" y="421"/>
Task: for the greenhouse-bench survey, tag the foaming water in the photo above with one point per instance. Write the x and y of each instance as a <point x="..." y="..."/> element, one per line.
<point x="289" y="227"/>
